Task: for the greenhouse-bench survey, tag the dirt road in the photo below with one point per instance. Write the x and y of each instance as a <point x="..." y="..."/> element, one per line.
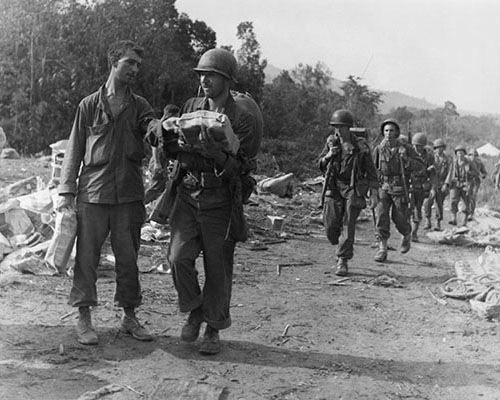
<point x="302" y="334"/>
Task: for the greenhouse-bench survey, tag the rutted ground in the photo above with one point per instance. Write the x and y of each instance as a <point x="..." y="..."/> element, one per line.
<point x="302" y="334"/>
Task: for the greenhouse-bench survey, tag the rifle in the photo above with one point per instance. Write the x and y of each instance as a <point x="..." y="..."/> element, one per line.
<point x="328" y="175"/>
<point x="409" y="131"/>
<point x="403" y="176"/>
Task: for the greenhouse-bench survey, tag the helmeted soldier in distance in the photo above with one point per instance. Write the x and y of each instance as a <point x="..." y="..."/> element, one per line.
<point x="480" y="173"/>
<point x="349" y="174"/>
<point x="459" y="181"/>
<point x="395" y="160"/>
<point x="422" y="180"/>
<point x="442" y="164"/>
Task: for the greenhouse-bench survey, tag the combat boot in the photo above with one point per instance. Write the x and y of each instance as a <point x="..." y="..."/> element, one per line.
<point x="341" y="269"/>
<point x="428" y="224"/>
<point x="130" y="325"/>
<point x="85" y="332"/>
<point x="414" y="232"/>
<point x="406" y="243"/>
<point x="453" y="220"/>
<point x="381" y="255"/>
<point x="438" y="226"/>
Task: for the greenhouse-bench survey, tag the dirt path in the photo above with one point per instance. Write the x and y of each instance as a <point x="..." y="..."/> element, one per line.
<point x="302" y="334"/>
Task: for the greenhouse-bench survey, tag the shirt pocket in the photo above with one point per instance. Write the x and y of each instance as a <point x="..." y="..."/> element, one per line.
<point x="97" y="149"/>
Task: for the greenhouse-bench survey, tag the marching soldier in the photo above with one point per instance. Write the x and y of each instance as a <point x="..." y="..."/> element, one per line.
<point x="349" y="173"/>
<point x="423" y="181"/>
<point x="442" y="164"/>
<point x="480" y="173"/>
<point x="459" y="181"/>
<point x="394" y="160"/>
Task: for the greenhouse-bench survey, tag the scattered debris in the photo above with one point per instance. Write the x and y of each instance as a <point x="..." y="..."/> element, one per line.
<point x="97" y="394"/>
<point x="386" y="281"/>
<point x="279" y="267"/>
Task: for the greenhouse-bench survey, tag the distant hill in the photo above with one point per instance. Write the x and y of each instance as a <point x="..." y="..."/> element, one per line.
<point x="390" y="99"/>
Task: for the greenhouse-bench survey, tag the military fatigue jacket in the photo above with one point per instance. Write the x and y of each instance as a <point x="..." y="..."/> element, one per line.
<point x="461" y="176"/>
<point x="442" y="165"/>
<point x="351" y="167"/>
<point x="424" y="177"/>
<point x="394" y="171"/>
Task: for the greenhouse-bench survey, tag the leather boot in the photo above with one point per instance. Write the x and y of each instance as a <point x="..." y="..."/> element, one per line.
<point x="438" y="226"/>
<point x="414" y="232"/>
<point x="381" y="255"/>
<point x="341" y="269"/>
<point x="84" y="330"/>
<point x="428" y="224"/>
<point x="453" y="220"/>
<point x="406" y="243"/>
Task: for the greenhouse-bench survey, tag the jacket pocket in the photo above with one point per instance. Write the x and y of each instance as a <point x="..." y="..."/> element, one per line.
<point x="97" y="149"/>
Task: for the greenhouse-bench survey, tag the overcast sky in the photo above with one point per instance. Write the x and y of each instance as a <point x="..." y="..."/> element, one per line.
<point x="434" y="49"/>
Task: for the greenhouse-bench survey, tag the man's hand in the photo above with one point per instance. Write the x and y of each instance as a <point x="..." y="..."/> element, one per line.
<point x="210" y="148"/>
<point x="403" y="153"/>
<point x="65" y="201"/>
<point x="444" y="188"/>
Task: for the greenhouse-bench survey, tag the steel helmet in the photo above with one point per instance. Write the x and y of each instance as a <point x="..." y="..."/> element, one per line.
<point x="219" y="61"/>
<point x="460" y="147"/>
<point x="419" y="138"/>
<point x="342" y="117"/>
<point x="438" y="143"/>
<point x="390" y="121"/>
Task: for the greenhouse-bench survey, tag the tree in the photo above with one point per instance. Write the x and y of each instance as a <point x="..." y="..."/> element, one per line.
<point x="53" y="53"/>
<point x="361" y="101"/>
<point x="251" y="75"/>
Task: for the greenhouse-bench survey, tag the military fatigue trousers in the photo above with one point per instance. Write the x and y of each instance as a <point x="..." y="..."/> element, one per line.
<point x="418" y="198"/>
<point x="438" y="198"/>
<point x="194" y="230"/>
<point x="336" y="210"/>
<point x="455" y="195"/>
<point x="395" y="207"/>
<point x="95" y="221"/>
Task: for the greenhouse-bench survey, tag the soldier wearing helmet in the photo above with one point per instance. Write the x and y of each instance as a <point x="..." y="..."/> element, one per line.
<point x="480" y="173"/>
<point x="349" y="174"/>
<point x="395" y="160"/>
<point x="459" y="181"/>
<point x="207" y="214"/>
<point x="422" y="180"/>
<point x="442" y="164"/>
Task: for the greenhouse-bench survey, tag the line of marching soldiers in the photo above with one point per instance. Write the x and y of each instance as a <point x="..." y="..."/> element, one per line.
<point x="402" y="178"/>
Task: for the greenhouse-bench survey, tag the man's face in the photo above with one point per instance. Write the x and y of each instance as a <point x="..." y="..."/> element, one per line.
<point x="460" y="154"/>
<point x="439" y="150"/>
<point x="390" y="132"/>
<point x="419" y="148"/>
<point x="127" y="67"/>
<point x="213" y="84"/>
<point x="342" y="131"/>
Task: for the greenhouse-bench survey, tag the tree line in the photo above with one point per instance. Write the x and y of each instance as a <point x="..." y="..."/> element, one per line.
<point x="53" y="53"/>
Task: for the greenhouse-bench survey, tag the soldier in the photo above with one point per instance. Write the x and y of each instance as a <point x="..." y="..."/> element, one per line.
<point x="442" y="164"/>
<point x="394" y="160"/>
<point x="207" y="214"/>
<point x="480" y="173"/>
<point x="349" y="173"/>
<point x="459" y="182"/>
<point x="423" y="181"/>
